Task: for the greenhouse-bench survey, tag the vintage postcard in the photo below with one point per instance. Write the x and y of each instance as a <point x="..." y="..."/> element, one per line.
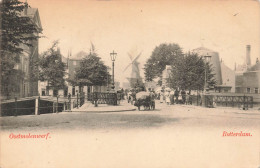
<point x="130" y="84"/>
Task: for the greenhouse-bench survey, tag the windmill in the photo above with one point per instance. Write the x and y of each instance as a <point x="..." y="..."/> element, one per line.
<point x="135" y="78"/>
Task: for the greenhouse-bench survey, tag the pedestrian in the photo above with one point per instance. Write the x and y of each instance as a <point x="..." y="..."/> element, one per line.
<point x="69" y="104"/>
<point x="69" y="96"/>
<point x="122" y="94"/>
<point x="183" y="96"/>
<point x="167" y="97"/>
<point x="161" y="96"/>
<point x="199" y="99"/>
<point x="188" y="99"/>
<point x="133" y="97"/>
<point x="172" y="96"/>
<point x="129" y="96"/>
<point x="176" y="95"/>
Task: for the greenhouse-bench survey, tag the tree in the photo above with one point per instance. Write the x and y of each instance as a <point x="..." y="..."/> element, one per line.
<point x="17" y="31"/>
<point x="162" y="55"/>
<point x="52" y="69"/>
<point x="92" y="71"/>
<point x="189" y="73"/>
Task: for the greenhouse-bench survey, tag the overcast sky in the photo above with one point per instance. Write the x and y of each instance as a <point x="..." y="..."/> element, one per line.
<point x="223" y="26"/>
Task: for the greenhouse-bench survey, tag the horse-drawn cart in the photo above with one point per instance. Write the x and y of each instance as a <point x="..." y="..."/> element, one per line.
<point x="146" y="100"/>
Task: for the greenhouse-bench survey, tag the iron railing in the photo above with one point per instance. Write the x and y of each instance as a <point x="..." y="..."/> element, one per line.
<point x="104" y="98"/>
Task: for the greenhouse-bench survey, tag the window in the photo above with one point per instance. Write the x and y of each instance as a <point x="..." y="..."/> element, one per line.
<point x="247" y="90"/>
<point x="43" y="92"/>
<point x="256" y="90"/>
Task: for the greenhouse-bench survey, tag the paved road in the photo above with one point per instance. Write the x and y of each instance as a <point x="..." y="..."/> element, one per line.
<point x="170" y="136"/>
<point x="163" y="116"/>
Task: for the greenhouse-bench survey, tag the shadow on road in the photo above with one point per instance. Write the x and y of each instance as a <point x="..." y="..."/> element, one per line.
<point x="87" y="121"/>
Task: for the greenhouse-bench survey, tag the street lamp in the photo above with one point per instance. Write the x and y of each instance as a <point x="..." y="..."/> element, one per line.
<point x="108" y="77"/>
<point x="207" y="59"/>
<point x="113" y="58"/>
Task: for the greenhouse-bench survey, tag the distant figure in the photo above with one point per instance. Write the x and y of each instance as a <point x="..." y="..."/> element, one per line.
<point x="122" y="94"/>
<point x="161" y="96"/>
<point x="167" y="97"/>
<point x="199" y="99"/>
<point x="183" y="96"/>
<point x="69" y="96"/>
<point x="176" y="95"/>
<point x="188" y="99"/>
<point x="172" y="96"/>
<point x="133" y="97"/>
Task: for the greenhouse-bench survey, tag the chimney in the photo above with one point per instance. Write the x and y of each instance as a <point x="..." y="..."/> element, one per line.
<point x="248" y="59"/>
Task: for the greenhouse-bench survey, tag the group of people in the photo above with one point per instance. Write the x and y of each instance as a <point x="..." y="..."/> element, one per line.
<point x="169" y="96"/>
<point x="175" y="97"/>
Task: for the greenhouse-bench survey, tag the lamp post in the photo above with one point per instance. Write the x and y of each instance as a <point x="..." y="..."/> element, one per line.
<point x="113" y="58"/>
<point x="207" y="59"/>
<point x="108" y="77"/>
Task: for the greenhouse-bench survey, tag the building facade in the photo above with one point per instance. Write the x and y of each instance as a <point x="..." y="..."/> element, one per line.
<point x="249" y="81"/>
<point x="26" y="79"/>
<point x="248" y="75"/>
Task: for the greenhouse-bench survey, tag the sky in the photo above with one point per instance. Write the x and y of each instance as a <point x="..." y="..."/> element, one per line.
<point x="137" y="26"/>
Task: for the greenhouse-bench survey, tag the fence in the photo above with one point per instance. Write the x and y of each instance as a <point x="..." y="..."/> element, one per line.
<point x="104" y="98"/>
<point x="38" y="105"/>
<point x="224" y="101"/>
<point x="234" y="101"/>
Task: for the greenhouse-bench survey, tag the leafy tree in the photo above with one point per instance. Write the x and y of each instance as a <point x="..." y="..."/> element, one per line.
<point x="17" y="28"/>
<point x="92" y="71"/>
<point x="17" y="31"/>
<point x="162" y="55"/>
<point x="189" y="73"/>
<point x="52" y="69"/>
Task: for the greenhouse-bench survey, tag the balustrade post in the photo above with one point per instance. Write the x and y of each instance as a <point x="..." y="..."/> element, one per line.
<point x="37" y="106"/>
<point x="15" y="99"/>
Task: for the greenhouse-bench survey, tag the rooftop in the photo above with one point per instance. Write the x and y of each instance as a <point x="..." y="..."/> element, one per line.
<point x="80" y="55"/>
<point x="202" y="49"/>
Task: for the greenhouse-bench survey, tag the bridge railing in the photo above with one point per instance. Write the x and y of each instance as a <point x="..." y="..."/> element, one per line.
<point x="244" y="102"/>
<point x="104" y="98"/>
<point x="234" y="101"/>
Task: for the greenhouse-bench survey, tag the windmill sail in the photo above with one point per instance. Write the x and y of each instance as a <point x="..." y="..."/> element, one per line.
<point x="127" y="67"/>
<point x="135" y="78"/>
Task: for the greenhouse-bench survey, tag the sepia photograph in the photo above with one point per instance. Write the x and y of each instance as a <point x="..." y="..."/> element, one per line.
<point x="130" y="84"/>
